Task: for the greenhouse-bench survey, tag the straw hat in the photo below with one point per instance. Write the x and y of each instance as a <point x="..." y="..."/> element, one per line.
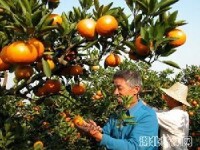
<point x="178" y="92"/>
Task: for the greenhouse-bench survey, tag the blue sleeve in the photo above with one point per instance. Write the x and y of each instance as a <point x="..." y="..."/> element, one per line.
<point x="146" y="126"/>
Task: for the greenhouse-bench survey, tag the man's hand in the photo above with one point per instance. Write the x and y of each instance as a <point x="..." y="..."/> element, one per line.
<point x="92" y="129"/>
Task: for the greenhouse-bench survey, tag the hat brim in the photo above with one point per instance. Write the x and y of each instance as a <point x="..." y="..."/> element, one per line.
<point x="174" y="96"/>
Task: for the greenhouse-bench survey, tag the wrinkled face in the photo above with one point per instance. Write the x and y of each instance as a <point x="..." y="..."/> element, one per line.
<point x="122" y="88"/>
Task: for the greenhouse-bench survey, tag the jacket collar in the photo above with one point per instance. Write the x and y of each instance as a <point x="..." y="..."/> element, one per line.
<point x="134" y="109"/>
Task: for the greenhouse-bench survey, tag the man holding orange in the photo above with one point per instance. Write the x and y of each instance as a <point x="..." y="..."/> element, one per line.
<point x="138" y="129"/>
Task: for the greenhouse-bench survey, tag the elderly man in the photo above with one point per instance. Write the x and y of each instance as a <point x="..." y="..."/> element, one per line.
<point x="140" y="135"/>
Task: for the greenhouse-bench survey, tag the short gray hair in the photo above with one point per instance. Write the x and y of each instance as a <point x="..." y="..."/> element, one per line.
<point x="133" y="78"/>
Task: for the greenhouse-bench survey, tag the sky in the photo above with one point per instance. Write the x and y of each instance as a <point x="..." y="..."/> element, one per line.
<point x="187" y="54"/>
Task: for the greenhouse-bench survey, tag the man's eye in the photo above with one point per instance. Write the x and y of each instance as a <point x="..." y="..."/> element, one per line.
<point x="120" y="88"/>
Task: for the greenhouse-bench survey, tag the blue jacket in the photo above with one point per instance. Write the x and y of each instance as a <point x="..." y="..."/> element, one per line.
<point x="142" y="135"/>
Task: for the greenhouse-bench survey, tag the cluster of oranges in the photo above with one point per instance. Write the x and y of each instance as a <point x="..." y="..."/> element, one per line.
<point x="98" y="95"/>
<point x="22" y="54"/>
<point x="104" y="26"/>
<point x="177" y="36"/>
<point x="25" y="52"/>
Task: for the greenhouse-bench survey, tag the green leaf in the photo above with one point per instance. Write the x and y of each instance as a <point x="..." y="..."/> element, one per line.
<point x="90" y="44"/>
<point x="166" y="3"/>
<point x="142" y="6"/>
<point x="46" y="68"/>
<point x="172" y="17"/>
<point x="28" y="19"/>
<point x="180" y="23"/>
<point x="65" y="22"/>
<point x="171" y="63"/>
<point x="43" y="20"/>
<point x="167" y="53"/>
<point x="106" y="8"/>
<point x="22" y="7"/>
<point x="124" y="17"/>
<point x="77" y="12"/>
<point x="47" y="28"/>
<point x="36" y="17"/>
<point x="27" y="6"/>
<point x="152" y="4"/>
<point x="7" y="126"/>
<point x="96" y="4"/>
<point x="1" y="135"/>
<point x="161" y="11"/>
<point x="129" y="44"/>
<point x="99" y="12"/>
<point x="17" y="20"/>
<point x="4" y="5"/>
<point x="130" y="4"/>
<point x="89" y="3"/>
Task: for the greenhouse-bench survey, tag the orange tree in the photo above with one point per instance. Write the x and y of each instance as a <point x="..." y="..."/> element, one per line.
<point x="61" y="56"/>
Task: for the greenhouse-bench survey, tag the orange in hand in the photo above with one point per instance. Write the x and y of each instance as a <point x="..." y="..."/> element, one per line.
<point x="78" y="120"/>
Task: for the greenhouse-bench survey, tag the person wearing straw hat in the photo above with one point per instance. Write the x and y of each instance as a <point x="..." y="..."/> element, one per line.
<point x="174" y="123"/>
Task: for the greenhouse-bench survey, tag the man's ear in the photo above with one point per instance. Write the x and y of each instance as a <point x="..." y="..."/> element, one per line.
<point x="136" y="89"/>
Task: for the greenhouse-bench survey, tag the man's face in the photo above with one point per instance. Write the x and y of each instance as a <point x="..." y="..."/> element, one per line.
<point x="122" y="88"/>
<point x="170" y="101"/>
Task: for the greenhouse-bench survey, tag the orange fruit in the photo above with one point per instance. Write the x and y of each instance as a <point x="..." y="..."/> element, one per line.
<point x="191" y="113"/>
<point x="52" y="86"/>
<point x="97" y="97"/>
<point x="99" y="93"/>
<point x="57" y="19"/>
<point x="19" y="52"/>
<point x="76" y="70"/>
<point x="78" y="120"/>
<point x="41" y="91"/>
<point x="23" y="72"/>
<point x="78" y="89"/>
<point x="179" y="35"/>
<point x="3" y="54"/>
<point x="3" y="66"/>
<point x="38" y="45"/>
<point x="141" y="49"/>
<point x="112" y="60"/>
<point x="106" y="25"/>
<point x="38" y="145"/>
<point x="194" y="102"/>
<point x="86" y="28"/>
